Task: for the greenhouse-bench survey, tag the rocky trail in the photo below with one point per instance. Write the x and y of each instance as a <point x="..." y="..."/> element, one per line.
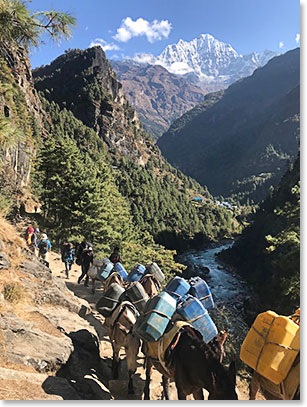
<point x="53" y="340"/>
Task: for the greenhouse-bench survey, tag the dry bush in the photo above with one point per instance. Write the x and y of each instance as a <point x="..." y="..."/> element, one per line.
<point x="14" y="293"/>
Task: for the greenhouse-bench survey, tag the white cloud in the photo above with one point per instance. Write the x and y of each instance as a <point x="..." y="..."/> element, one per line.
<point x="281" y="44"/>
<point x="297" y="38"/>
<point x="104" y="45"/>
<point x="179" y="68"/>
<point x="154" y="31"/>
<point x="144" y="58"/>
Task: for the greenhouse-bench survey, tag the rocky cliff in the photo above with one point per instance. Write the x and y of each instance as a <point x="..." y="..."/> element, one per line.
<point x="21" y="118"/>
<point x="84" y="82"/>
<point x="43" y="328"/>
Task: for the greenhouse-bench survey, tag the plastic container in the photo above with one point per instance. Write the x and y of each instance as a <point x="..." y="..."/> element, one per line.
<point x="137" y="295"/>
<point x="105" y="271"/>
<point x="137" y="273"/>
<point x="271" y="346"/>
<point x="110" y="300"/>
<point x="200" y="290"/>
<point x="177" y="287"/>
<point x="157" y="314"/>
<point x="92" y="272"/>
<point x="119" y="268"/>
<point x="193" y="311"/>
<point x="153" y="268"/>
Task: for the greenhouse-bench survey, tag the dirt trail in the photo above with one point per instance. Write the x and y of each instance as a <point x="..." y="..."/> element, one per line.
<point x="118" y="388"/>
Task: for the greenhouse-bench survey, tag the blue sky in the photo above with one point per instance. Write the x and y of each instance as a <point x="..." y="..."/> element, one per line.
<point x="127" y="27"/>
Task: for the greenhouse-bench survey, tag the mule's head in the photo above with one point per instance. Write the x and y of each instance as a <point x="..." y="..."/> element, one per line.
<point x="224" y="383"/>
<point x="217" y="345"/>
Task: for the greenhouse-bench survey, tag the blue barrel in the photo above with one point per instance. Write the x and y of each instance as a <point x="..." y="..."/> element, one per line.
<point x="105" y="271"/>
<point x="157" y="314"/>
<point x="201" y="290"/>
<point x="119" y="268"/>
<point x="193" y="311"/>
<point x="177" y="287"/>
<point x="137" y="273"/>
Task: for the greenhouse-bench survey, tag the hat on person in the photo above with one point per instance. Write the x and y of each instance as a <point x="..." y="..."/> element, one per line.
<point x="44" y="236"/>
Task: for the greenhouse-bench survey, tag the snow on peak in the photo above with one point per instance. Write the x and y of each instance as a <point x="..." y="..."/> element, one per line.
<point x="206" y="57"/>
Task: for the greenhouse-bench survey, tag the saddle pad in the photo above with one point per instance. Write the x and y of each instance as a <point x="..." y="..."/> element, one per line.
<point x="114" y="317"/>
<point x="156" y="350"/>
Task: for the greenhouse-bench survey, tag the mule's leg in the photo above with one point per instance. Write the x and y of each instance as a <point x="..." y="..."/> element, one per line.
<point x="93" y="285"/>
<point x="115" y="361"/>
<point x="254" y="386"/>
<point x="132" y="350"/>
<point x="181" y="394"/>
<point x="198" y="395"/>
<point x="147" y="381"/>
<point x="165" y="383"/>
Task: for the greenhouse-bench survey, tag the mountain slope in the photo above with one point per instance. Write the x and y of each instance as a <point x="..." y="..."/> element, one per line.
<point x="243" y="136"/>
<point x="267" y="253"/>
<point x="158" y="96"/>
<point x="159" y="196"/>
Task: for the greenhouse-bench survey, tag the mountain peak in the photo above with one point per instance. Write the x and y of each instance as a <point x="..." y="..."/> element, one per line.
<point x="210" y="59"/>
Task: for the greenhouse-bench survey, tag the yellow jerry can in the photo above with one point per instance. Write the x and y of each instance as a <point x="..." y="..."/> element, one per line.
<point x="271" y="346"/>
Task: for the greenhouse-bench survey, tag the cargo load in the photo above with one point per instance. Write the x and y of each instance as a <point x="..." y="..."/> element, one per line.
<point x="137" y="273"/>
<point x="92" y="272"/>
<point x="153" y="268"/>
<point x="157" y="314"/>
<point x="109" y="300"/>
<point x="177" y="288"/>
<point x="119" y="268"/>
<point x="192" y="310"/>
<point x="201" y="291"/>
<point x="98" y="263"/>
<point x="105" y="271"/>
<point x="137" y="295"/>
<point x="271" y="346"/>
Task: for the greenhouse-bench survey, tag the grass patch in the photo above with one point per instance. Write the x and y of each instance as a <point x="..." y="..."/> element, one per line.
<point x="13" y="293"/>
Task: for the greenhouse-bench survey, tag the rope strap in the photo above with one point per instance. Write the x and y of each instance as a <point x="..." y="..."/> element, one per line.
<point x="198" y="317"/>
<point x="157" y="312"/>
<point x="266" y="342"/>
<point x="203" y="298"/>
<point x="111" y="299"/>
<point x="142" y="299"/>
<point x="173" y="292"/>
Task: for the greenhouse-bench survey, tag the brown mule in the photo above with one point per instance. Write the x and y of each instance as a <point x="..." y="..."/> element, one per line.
<point x="194" y="365"/>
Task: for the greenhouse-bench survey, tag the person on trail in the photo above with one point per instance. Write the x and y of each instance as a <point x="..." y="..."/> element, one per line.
<point x="85" y="258"/>
<point x="35" y="208"/>
<point x="68" y="255"/>
<point x="34" y="239"/>
<point x="28" y="235"/>
<point x="115" y="257"/>
<point x="44" y="246"/>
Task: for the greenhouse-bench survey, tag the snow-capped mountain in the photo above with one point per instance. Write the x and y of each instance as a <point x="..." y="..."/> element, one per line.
<point x="207" y="60"/>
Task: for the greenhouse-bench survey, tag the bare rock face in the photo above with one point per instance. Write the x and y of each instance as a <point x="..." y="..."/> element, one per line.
<point x="17" y="158"/>
<point x="27" y="345"/>
<point x="46" y="289"/>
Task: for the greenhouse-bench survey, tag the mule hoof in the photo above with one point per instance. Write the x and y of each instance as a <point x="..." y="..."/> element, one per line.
<point x="131" y="391"/>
